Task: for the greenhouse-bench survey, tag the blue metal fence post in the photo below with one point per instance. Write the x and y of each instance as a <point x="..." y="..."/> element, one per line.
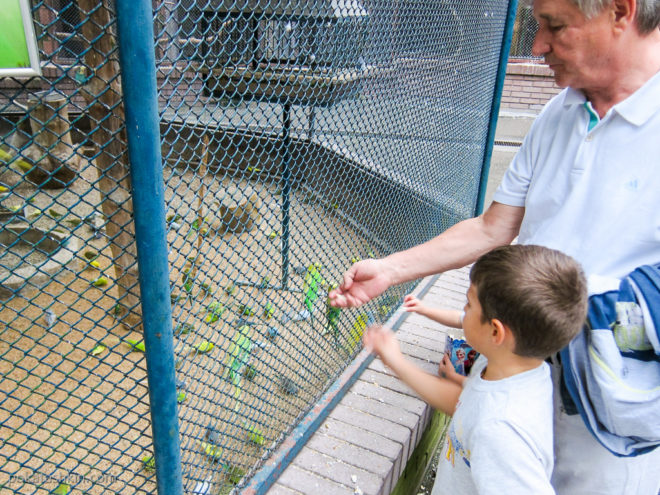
<point x="495" y="108"/>
<point x="138" y="71"/>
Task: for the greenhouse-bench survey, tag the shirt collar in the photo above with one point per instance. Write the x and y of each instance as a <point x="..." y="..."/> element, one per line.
<point x="642" y="104"/>
<point x="636" y="109"/>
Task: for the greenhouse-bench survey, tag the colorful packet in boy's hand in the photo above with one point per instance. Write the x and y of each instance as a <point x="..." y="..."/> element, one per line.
<point x="461" y="354"/>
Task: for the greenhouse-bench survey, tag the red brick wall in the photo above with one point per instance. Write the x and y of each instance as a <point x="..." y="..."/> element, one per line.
<point x="527" y="87"/>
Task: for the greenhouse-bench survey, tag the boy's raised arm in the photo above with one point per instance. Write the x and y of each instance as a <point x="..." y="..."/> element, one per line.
<point x="439" y="393"/>
<point x="447" y="317"/>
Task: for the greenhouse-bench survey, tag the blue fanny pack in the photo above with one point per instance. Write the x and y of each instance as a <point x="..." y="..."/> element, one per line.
<point x="612" y="369"/>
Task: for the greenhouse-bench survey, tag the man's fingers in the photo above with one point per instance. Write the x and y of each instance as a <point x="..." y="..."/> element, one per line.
<point x="348" y="279"/>
<point x="341" y="299"/>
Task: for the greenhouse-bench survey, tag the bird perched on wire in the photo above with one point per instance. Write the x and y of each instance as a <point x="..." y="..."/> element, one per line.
<point x="95" y="224"/>
<point x="332" y="317"/>
<point x="273" y="332"/>
<point x="288" y="386"/>
<point x="238" y="356"/>
<point x="51" y="318"/>
<point x="313" y="283"/>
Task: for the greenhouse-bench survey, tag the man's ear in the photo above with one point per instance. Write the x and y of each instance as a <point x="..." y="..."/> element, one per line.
<point x="623" y="12"/>
<point x="499" y="332"/>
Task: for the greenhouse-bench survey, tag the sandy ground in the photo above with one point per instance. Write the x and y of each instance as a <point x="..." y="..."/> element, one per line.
<point x="69" y="413"/>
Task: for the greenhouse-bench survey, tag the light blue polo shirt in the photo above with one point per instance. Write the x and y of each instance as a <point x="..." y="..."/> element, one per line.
<point x="591" y="188"/>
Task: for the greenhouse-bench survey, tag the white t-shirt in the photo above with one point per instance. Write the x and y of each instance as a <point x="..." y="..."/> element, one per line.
<point x="594" y="195"/>
<point x="499" y="440"/>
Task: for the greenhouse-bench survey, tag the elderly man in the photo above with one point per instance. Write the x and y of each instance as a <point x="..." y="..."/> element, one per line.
<point x="586" y="181"/>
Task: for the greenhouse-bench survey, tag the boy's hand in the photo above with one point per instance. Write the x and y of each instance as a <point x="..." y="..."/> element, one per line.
<point x="381" y="341"/>
<point x="363" y="281"/>
<point x="412" y="304"/>
<point x="446" y="369"/>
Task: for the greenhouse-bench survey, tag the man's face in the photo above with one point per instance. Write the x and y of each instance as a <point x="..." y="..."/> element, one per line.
<point x="577" y="49"/>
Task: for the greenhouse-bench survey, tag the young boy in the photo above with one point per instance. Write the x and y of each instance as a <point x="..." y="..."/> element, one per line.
<point x="523" y="304"/>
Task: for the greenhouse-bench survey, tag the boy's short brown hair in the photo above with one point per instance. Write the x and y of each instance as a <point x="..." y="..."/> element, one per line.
<point x="538" y="292"/>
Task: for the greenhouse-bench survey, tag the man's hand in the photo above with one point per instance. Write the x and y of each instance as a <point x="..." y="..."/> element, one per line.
<point x="363" y="281"/>
<point x="381" y="341"/>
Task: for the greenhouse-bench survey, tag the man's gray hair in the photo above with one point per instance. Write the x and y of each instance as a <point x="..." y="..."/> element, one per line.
<point x="648" y="12"/>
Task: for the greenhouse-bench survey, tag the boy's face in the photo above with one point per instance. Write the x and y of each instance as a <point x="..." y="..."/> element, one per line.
<point x="475" y="330"/>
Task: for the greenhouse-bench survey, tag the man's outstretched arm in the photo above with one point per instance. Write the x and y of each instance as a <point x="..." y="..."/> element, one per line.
<point x="456" y="247"/>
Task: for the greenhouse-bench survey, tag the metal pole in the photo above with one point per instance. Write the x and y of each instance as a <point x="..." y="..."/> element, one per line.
<point x="495" y="107"/>
<point x="286" y="191"/>
<point x="138" y="71"/>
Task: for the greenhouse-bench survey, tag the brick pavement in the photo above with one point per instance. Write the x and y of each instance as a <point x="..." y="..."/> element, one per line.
<point x="368" y="437"/>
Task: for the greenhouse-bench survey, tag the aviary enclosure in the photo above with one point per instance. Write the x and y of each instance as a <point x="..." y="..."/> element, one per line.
<point x="294" y="138"/>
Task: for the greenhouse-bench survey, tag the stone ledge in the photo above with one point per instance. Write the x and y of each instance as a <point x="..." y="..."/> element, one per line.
<point x="367" y="439"/>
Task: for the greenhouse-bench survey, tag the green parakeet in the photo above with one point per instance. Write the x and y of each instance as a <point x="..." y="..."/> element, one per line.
<point x="332" y="319"/>
<point x="62" y="489"/>
<point x="255" y="435"/>
<point x="238" y="355"/>
<point x="135" y="345"/>
<point x="246" y="310"/>
<point x="357" y="330"/>
<point x="98" y="349"/>
<point x="269" y="310"/>
<point x="149" y="463"/>
<point x="203" y="346"/>
<point x="313" y="281"/>
<point x="100" y="282"/>
<point x="214" y="452"/>
<point x="90" y="255"/>
<point x="215" y="309"/>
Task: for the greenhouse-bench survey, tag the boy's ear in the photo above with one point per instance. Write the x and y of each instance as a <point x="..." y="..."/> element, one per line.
<point x="499" y="332"/>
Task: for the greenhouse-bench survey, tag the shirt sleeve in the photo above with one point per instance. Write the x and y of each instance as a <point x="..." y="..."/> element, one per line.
<point x="512" y="190"/>
<point x="515" y="183"/>
<point x="502" y="461"/>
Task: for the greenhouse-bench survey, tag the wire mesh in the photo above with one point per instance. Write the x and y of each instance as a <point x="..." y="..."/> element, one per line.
<point x="297" y="137"/>
<point x="524" y="31"/>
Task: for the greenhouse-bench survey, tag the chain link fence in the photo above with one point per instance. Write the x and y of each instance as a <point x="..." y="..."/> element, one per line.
<point x="524" y="31"/>
<point x="296" y="138"/>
